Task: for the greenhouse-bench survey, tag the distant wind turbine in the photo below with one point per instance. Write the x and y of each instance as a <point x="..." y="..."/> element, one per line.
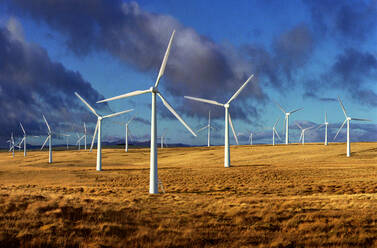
<point x="302" y="136"/>
<point x="49" y="133"/>
<point x="228" y="119"/>
<point x="286" y="120"/>
<point x="23" y="139"/>
<point x="153" y="182"/>
<point x="99" y="129"/>
<point x="275" y="132"/>
<point x="208" y="127"/>
<point x="325" y="124"/>
<point x="348" y="120"/>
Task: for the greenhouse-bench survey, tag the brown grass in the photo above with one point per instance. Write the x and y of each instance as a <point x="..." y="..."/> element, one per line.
<point x="283" y="196"/>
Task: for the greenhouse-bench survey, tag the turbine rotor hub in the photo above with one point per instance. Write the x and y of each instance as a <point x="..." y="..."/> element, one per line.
<point x="154" y="89"/>
<point x="348" y="118"/>
<point x="226" y="105"/>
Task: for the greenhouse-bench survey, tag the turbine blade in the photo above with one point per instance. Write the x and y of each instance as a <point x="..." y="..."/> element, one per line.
<point x="357" y="119"/>
<point x="45" y="142"/>
<point x="341" y="105"/>
<point x="280" y="107"/>
<point x="87" y="104"/>
<point x="129" y="121"/>
<point x="202" y="129"/>
<point x="170" y="108"/>
<point x="302" y="132"/>
<point x="232" y="127"/>
<point x="49" y="129"/>
<point x="22" y="127"/>
<point x="319" y="126"/>
<point x="298" y="125"/>
<point x="133" y="93"/>
<point x="164" y="61"/>
<point x="204" y="100"/>
<point x="340" y="129"/>
<point x="84" y="128"/>
<point x="325" y="116"/>
<point x="119" y="113"/>
<point x="296" y="110"/>
<point x="94" y="136"/>
<point x="276" y="123"/>
<point x="277" y="134"/>
<point x="240" y="89"/>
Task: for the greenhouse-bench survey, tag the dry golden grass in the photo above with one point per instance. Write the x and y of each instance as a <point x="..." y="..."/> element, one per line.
<point x="283" y="196"/>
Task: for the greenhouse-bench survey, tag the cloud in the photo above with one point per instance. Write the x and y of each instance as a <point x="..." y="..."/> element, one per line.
<point x="32" y="84"/>
<point x="347" y="20"/>
<point x="353" y="71"/>
<point x="197" y="65"/>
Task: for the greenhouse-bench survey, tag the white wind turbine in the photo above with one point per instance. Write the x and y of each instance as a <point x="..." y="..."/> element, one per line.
<point x="23" y="139"/>
<point x="49" y="133"/>
<point x="286" y="120"/>
<point x="275" y="132"/>
<point x="251" y="138"/>
<point x="227" y="119"/>
<point x="78" y="142"/>
<point x="11" y="144"/>
<point x="208" y="126"/>
<point x="127" y="130"/>
<point x="163" y="140"/>
<point x="153" y="183"/>
<point x="302" y="136"/>
<point x="348" y="120"/>
<point x="66" y="138"/>
<point x="325" y="124"/>
<point x="99" y="129"/>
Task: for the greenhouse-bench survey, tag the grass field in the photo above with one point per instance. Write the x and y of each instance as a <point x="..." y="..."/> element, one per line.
<point x="282" y="196"/>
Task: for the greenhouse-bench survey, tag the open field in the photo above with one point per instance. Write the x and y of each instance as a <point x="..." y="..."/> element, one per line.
<point x="311" y="195"/>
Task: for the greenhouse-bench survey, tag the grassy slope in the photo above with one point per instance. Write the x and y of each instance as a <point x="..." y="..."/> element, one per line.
<point x="292" y="195"/>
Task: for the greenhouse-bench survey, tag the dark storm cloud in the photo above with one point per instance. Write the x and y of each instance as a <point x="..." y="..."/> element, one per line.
<point x="32" y="84"/>
<point x="347" y="20"/>
<point x="197" y="66"/>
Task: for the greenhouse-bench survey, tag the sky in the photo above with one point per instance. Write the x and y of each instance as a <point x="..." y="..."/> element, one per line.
<point x="302" y="54"/>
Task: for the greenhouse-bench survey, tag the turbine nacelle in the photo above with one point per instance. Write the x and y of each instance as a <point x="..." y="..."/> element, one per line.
<point x="226" y="105"/>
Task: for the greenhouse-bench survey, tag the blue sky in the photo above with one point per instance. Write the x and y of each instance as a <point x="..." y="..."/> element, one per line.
<point x="303" y="54"/>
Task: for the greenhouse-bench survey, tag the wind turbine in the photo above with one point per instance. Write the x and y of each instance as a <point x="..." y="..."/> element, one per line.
<point x="99" y="129"/>
<point x="348" y="120"/>
<point x="23" y="139"/>
<point x="227" y="119"/>
<point x="78" y="142"/>
<point x="208" y="126"/>
<point x="251" y="138"/>
<point x="126" y="138"/>
<point x="49" y="141"/>
<point x="153" y="182"/>
<point x="11" y="143"/>
<point x="275" y="132"/>
<point x="66" y="138"/>
<point x="286" y="120"/>
<point x="325" y="124"/>
<point x="163" y="140"/>
<point x="302" y="136"/>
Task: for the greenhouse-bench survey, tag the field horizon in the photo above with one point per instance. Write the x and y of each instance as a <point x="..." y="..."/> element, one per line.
<point x="273" y="196"/>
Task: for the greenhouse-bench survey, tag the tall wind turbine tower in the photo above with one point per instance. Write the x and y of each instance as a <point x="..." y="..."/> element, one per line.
<point x="153" y="175"/>
<point x="348" y="120"/>
<point x="228" y="119"/>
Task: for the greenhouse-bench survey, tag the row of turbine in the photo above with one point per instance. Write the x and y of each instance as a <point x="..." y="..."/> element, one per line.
<point x="154" y="181"/>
